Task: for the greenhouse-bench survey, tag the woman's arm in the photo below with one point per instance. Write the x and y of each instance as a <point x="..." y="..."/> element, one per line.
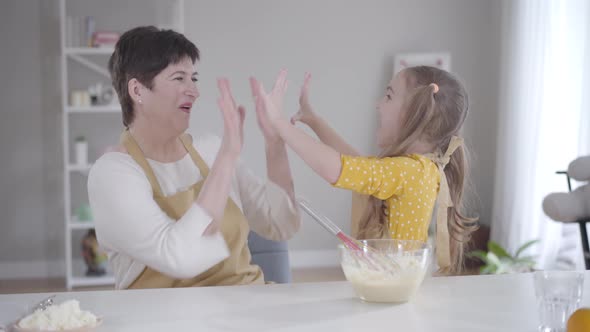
<point x="130" y="222"/>
<point x="213" y="196"/>
<point x="277" y="160"/>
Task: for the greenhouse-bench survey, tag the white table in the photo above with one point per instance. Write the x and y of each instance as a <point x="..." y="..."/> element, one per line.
<point x="470" y="304"/>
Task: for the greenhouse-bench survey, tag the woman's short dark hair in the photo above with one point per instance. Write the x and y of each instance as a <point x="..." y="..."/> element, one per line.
<point x="142" y="53"/>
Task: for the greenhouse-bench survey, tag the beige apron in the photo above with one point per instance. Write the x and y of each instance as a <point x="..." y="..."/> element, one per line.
<point x="236" y="269"/>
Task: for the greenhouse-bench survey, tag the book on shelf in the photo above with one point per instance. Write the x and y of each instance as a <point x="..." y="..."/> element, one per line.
<point x="81" y="31"/>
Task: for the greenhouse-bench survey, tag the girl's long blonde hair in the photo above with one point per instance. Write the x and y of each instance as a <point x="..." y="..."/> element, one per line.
<point x="436" y="118"/>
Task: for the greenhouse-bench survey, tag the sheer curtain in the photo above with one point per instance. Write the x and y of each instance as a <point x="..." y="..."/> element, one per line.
<point x="543" y="121"/>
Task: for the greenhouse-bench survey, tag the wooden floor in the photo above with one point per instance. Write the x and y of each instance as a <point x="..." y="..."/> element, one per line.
<point x="58" y="284"/>
<point x="318" y="274"/>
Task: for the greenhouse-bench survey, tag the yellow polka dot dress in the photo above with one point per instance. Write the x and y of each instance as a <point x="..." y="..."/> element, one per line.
<point x="408" y="185"/>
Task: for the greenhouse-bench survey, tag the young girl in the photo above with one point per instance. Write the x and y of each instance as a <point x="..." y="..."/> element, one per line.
<point x="422" y="158"/>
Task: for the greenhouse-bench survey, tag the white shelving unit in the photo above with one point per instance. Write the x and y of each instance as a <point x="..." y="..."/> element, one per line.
<point x="94" y="109"/>
<point x="88" y="50"/>
<point x="75" y="268"/>
<point x="79" y="168"/>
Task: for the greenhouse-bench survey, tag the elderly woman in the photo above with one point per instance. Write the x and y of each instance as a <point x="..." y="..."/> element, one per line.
<point x="172" y="211"/>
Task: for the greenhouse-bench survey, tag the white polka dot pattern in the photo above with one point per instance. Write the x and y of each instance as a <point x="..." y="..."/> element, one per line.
<point x="407" y="184"/>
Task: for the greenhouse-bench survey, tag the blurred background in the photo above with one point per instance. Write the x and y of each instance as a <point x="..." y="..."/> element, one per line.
<point x="526" y="66"/>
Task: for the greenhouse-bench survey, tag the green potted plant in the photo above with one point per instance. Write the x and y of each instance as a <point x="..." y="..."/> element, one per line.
<point x="497" y="260"/>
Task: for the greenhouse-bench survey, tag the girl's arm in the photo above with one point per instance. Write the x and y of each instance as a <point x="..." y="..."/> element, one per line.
<point x="320" y="127"/>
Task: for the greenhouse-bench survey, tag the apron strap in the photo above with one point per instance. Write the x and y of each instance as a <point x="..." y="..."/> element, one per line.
<point x="201" y="164"/>
<point x="443" y="203"/>
<point x="135" y="152"/>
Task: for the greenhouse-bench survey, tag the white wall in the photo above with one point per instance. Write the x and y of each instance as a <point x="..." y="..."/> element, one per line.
<point x="347" y="45"/>
<point x="22" y="208"/>
<point x="31" y="219"/>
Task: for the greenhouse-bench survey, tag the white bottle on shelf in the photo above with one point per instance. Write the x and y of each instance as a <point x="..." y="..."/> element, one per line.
<point x="81" y="147"/>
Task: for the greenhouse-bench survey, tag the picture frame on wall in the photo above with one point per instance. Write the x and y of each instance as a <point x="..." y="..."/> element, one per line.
<point x="440" y="60"/>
